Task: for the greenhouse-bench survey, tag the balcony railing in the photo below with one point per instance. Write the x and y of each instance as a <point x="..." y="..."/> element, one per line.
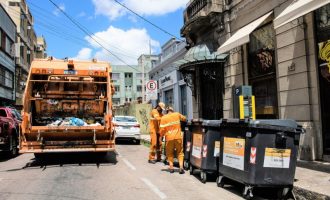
<point x="195" y="7"/>
<point x="198" y="8"/>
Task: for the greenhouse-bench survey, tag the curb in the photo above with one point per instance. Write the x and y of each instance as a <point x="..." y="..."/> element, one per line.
<point x="304" y="194"/>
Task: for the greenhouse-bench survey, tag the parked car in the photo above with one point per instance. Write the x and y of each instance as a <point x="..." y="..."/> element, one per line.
<point x="9" y="125"/>
<point x="13" y="114"/>
<point x="127" y="127"/>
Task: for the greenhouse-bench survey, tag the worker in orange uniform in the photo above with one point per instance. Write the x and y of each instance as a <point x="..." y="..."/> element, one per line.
<point x="155" y="139"/>
<point x="170" y="126"/>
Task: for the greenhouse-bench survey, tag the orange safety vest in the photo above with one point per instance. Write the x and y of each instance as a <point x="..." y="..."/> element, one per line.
<point x="155" y="117"/>
<point x="170" y="126"/>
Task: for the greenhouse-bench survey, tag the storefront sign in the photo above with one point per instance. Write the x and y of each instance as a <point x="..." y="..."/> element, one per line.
<point x="233" y="153"/>
<point x="168" y="80"/>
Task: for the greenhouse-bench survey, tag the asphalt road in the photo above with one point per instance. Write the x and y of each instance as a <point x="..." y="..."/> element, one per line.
<point x="126" y="175"/>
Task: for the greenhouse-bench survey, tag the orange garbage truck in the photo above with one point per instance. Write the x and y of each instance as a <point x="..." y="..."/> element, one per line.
<point x="67" y="107"/>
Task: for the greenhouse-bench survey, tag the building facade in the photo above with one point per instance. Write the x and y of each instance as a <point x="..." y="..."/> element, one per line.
<point x="7" y="58"/>
<point x="127" y="81"/>
<point x="146" y="63"/>
<point x="172" y="90"/>
<point x="41" y="48"/>
<point x="279" y="47"/>
<point x="26" y="42"/>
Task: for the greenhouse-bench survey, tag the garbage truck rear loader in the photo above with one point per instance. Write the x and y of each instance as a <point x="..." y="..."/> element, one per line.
<point x="67" y="108"/>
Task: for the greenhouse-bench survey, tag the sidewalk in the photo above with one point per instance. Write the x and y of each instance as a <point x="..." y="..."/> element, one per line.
<point x="312" y="180"/>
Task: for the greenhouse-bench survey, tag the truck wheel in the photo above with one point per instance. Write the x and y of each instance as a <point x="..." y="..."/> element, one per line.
<point x="13" y="146"/>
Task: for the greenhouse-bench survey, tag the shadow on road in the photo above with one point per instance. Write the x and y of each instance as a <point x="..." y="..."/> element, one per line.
<point x="5" y="157"/>
<point x="45" y="161"/>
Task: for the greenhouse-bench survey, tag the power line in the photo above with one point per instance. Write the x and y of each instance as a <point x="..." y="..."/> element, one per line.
<point x="127" y="53"/>
<point x="87" y="32"/>
<point x="146" y="20"/>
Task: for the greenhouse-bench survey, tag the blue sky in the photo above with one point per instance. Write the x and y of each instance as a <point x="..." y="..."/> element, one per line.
<point x="120" y="31"/>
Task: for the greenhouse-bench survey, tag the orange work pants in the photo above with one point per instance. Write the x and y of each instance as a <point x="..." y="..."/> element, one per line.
<point x="171" y="146"/>
<point x="155" y="146"/>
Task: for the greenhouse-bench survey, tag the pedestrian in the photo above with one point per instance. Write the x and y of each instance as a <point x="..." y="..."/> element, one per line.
<point x="155" y="154"/>
<point x="170" y="126"/>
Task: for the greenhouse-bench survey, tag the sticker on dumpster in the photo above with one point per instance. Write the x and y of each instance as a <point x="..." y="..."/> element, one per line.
<point x="188" y="147"/>
<point x="197" y="146"/>
<point x="216" y="149"/>
<point x="277" y="158"/>
<point x="253" y="155"/>
<point x="233" y="153"/>
<point x="204" y="151"/>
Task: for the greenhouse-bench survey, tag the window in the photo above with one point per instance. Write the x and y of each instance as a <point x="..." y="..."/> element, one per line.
<point x="9" y="44"/>
<point x="0" y="38"/>
<point x="139" y="75"/>
<point x="115" y="76"/>
<point x="116" y="101"/>
<point x="8" y="79"/>
<point x="139" y="88"/>
<point x="2" y="76"/>
<point x="117" y="88"/>
<point x="3" y="113"/>
<point x="3" y="40"/>
<point x="262" y="73"/>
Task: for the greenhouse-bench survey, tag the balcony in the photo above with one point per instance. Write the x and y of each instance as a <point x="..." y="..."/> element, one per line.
<point x="200" y="10"/>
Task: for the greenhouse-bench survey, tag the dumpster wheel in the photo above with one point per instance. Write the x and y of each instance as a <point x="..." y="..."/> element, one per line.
<point x="247" y="192"/>
<point x="186" y="165"/>
<point x="191" y="170"/>
<point x="220" y="181"/>
<point x="203" y="176"/>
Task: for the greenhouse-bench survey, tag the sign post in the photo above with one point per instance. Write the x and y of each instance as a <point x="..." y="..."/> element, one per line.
<point x="151" y="93"/>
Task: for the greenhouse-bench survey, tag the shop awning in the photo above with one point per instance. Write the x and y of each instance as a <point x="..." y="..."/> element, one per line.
<point x="297" y="9"/>
<point x="201" y="53"/>
<point x="242" y="36"/>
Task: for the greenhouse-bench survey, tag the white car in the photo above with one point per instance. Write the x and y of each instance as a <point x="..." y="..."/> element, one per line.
<point x="127" y="127"/>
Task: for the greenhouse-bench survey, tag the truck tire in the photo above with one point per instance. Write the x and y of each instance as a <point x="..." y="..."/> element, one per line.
<point x="13" y="150"/>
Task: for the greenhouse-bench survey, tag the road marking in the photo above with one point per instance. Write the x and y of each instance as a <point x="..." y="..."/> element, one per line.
<point x="154" y="188"/>
<point x="129" y="164"/>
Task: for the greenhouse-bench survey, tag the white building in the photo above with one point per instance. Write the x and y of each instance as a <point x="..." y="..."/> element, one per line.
<point x="172" y="90"/>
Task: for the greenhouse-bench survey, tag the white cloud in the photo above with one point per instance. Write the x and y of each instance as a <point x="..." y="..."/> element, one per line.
<point x="84" y="54"/>
<point x="128" y="45"/>
<point x="81" y="14"/>
<point x="113" y="10"/>
<point x="57" y="11"/>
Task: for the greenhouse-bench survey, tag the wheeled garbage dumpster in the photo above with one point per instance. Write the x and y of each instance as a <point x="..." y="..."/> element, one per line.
<point x="205" y="150"/>
<point x="259" y="153"/>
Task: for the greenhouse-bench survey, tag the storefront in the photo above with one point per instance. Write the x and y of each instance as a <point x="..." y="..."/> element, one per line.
<point x="202" y="70"/>
<point x="322" y="21"/>
<point x="262" y="72"/>
<point x="169" y="91"/>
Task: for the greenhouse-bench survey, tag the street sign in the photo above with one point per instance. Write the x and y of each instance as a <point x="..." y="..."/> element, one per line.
<point x="151" y="92"/>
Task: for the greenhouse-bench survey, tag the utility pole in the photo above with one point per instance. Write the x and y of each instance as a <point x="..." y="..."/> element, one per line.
<point x="143" y="80"/>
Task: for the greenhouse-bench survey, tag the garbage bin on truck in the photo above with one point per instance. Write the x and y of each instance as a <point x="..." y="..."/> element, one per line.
<point x="259" y="153"/>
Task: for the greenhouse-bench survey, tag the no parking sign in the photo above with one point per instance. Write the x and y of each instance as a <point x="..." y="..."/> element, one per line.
<point x="151" y="91"/>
